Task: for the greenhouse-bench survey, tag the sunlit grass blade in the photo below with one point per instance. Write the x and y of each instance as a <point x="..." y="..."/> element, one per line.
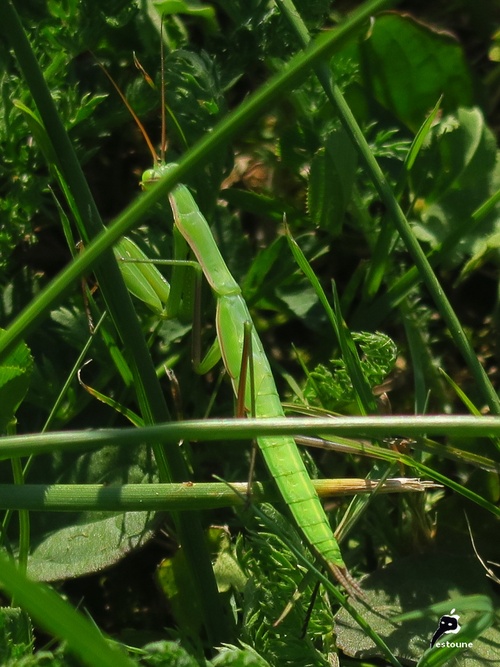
<point x="180" y="497"/>
<point x="421" y="136"/>
<point x="132" y="416"/>
<point x="372" y="426"/>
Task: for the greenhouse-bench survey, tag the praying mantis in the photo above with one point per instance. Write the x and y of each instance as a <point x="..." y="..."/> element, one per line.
<point x="236" y="338"/>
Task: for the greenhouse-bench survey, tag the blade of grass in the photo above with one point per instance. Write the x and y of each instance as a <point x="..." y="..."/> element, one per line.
<point x="351" y="446"/>
<point x="361" y="427"/>
<point x="174" y="497"/>
<point x="372" y="426"/>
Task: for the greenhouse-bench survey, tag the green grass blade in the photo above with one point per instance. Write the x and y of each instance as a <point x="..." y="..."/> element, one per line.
<point x="372" y="426"/>
<point x="239" y="429"/>
<point x="421" y="136"/>
<point x="171" y="497"/>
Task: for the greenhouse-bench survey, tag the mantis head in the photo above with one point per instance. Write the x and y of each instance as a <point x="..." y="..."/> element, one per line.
<point x="151" y="176"/>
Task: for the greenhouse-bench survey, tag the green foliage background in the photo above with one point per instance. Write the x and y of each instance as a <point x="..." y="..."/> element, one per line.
<point x="296" y="160"/>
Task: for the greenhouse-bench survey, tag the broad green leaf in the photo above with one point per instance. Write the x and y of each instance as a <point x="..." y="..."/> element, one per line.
<point x="411" y="585"/>
<point x="408" y="65"/>
<point x="86" y="546"/>
<point x="461" y="148"/>
<point x="15" y="374"/>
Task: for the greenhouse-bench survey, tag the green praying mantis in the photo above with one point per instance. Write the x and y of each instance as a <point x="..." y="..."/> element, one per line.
<point x="236" y="340"/>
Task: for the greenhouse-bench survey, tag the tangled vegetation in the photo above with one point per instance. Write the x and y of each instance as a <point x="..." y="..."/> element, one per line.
<point x="346" y="159"/>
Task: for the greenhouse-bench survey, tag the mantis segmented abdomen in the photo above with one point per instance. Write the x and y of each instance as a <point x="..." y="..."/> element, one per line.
<point x="280" y="453"/>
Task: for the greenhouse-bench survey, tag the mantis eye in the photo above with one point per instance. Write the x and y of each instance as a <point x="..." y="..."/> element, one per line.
<point x="149" y="177"/>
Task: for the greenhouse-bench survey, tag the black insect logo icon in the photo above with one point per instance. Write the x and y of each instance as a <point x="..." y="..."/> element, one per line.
<point x="447" y="625"/>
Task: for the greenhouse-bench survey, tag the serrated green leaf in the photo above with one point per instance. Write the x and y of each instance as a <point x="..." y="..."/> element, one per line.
<point x="16" y="635"/>
<point x="165" y="653"/>
<point x="332" y="387"/>
<point x="231" y="656"/>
